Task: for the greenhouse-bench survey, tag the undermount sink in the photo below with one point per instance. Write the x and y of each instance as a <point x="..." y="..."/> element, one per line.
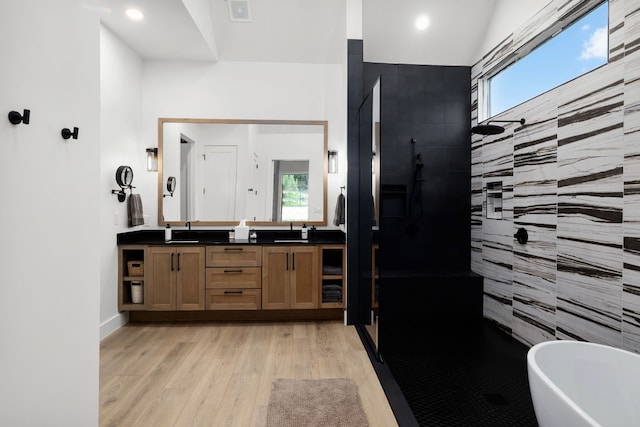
<point x="182" y="241"/>
<point x="290" y="241"/>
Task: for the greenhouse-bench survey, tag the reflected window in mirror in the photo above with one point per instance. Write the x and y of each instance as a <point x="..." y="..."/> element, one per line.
<point x="291" y="190"/>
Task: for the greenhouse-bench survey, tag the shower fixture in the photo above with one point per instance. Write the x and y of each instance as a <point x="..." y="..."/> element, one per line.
<point x="415" y="202"/>
<point x="489" y="129"/>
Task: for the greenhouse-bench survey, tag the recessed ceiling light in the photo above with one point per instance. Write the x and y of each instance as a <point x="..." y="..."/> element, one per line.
<point x="135" y="14"/>
<point x="422" y="22"/>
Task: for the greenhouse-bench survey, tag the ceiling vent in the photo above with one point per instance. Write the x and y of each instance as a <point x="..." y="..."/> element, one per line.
<point x="239" y="11"/>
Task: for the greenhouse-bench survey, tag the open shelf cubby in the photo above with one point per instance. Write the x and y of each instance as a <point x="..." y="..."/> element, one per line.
<point x="332" y="266"/>
<point x="131" y="276"/>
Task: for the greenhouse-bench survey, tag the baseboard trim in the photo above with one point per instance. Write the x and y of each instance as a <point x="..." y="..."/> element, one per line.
<point x="111" y="325"/>
<point x="236" y="315"/>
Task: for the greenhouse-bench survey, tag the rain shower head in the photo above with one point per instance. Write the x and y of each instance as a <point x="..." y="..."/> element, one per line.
<point x="490" y="129"/>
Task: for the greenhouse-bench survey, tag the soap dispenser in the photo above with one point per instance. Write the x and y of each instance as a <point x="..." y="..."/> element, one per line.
<point x="305" y="232"/>
<point x="167" y="233"/>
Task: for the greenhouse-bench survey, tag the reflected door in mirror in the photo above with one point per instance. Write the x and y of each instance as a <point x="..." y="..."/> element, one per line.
<point x="219" y="192"/>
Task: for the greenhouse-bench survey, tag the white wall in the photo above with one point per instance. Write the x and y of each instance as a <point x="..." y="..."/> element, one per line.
<point x="50" y="275"/>
<point x="508" y="16"/>
<point x="120" y="144"/>
<point x="243" y="90"/>
<point x="354" y="19"/>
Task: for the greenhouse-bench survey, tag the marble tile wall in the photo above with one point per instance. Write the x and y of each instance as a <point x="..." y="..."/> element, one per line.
<point x="571" y="178"/>
<point x="631" y="174"/>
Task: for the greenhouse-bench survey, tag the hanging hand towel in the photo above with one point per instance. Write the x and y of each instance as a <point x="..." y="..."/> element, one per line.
<point x="134" y="206"/>
<point x="339" y="215"/>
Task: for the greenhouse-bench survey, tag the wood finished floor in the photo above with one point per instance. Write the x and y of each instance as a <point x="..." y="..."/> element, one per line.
<point x="205" y="374"/>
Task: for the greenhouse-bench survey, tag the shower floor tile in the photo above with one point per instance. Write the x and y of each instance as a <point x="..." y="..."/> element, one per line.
<point x="477" y="379"/>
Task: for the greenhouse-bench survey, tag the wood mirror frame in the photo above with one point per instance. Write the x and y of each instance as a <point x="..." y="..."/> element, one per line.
<point x="234" y="221"/>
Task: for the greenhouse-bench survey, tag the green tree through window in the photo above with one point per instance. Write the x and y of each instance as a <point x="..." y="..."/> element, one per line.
<point x="295" y="194"/>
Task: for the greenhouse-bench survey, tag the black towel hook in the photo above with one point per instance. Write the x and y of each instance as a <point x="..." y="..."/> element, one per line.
<point x="342" y="189"/>
<point x="66" y="133"/>
<point x="17" y="118"/>
<point x="121" y="194"/>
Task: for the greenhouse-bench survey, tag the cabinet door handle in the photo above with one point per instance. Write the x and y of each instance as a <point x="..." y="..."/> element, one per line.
<point x="233" y="292"/>
<point x="179" y="262"/>
<point x="287" y="257"/>
<point x="233" y="271"/>
<point x="232" y="249"/>
<point x="172" y="269"/>
<point x="294" y="261"/>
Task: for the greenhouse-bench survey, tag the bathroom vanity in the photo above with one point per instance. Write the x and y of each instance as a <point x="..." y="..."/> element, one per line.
<point x="203" y="271"/>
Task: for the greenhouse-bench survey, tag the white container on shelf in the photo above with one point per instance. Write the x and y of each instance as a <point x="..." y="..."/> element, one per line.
<point x="137" y="296"/>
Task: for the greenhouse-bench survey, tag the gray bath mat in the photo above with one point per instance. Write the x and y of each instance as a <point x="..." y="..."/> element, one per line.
<point x="327" y="402"/>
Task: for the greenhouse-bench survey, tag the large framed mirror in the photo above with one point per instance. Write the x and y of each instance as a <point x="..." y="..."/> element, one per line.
<point x="269" y="172"/>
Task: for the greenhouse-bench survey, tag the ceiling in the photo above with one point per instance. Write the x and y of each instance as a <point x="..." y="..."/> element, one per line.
<point x="454" y="36"/>
<point x="300" y="31"/>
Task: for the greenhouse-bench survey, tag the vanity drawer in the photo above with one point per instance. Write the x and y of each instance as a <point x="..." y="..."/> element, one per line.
<point x="233" y="277"/>
<point x="234" y="256"/>
<point x="234" y="299"/>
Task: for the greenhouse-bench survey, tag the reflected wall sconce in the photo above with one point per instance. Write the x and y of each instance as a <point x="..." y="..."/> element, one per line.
<point x="66" y="133"/>
<point x="17" y="118"/>
<point x="152" y="159"/>
<point x="333" y="161"/>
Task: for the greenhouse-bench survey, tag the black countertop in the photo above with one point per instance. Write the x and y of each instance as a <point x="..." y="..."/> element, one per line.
<point x="221" y="237"/>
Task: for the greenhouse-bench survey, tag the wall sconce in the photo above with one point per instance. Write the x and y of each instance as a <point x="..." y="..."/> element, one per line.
<point x="152" y="159"/>
<point x="333" y="161"/>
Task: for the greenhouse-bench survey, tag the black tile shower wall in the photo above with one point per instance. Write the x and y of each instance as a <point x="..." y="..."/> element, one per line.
<point x="431" y="105"/>
<point x="357" y="310"/>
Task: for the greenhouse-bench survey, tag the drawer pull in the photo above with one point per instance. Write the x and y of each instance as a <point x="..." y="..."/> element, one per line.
<point x="233" y="292"/>
<point x="232" y="249"/>
<point x="233" y="271"/>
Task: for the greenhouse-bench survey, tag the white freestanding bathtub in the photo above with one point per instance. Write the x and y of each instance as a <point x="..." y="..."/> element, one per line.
<point x="584" y="384"/>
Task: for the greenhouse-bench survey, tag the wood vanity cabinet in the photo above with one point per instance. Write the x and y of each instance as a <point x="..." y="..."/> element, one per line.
<point x="175" y="278"/>
<point x="233" y="277"/>
<point x="290" y="277"/>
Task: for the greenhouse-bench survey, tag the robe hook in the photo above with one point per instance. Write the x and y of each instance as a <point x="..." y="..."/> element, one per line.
<point x="17" y="118"/>
<point x="66" y="133"/>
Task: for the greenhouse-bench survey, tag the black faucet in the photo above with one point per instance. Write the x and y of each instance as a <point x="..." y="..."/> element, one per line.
<point x="188" y="224"/>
